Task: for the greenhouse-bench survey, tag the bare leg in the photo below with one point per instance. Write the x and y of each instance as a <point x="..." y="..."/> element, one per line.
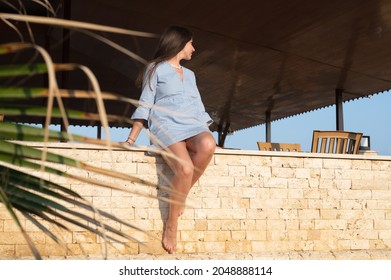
<point x="181" y="183"/>
<point x="201" y="148"/>
<point x="195" y="154"/>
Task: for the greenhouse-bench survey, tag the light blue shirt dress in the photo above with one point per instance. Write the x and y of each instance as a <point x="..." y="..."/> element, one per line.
<point x="172" y="107"/>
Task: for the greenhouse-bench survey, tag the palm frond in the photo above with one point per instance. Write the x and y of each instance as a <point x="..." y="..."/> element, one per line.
<point x="63" y="23"/>
<point x="43" y="201"/>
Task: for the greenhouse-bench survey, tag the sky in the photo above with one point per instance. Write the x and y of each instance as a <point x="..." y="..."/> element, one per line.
<point x="371" y="116"/>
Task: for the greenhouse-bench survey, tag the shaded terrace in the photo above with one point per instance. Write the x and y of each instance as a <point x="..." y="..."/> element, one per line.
<point x="256" y="62"/>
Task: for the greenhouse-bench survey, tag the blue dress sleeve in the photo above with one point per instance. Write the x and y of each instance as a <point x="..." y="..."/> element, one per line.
<point x="147" y="98"/>
<point x="204" y="116"/>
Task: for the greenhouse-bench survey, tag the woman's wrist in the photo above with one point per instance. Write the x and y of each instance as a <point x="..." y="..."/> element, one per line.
<point x="130" y="140"/>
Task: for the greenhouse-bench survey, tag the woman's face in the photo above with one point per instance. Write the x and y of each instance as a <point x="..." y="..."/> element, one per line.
<point x="188" y="50"/>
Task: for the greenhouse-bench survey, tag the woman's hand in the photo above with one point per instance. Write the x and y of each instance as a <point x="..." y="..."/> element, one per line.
<point x="130" y="141"/>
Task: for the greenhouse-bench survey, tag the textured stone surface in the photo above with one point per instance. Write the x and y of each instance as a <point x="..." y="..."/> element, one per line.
<point x="248" y="205"/>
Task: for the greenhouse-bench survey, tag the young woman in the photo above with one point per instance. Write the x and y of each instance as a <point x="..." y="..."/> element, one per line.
<point x="171" y="104"/>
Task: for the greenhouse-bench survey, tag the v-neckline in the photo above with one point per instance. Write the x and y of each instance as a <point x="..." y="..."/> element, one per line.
<point x="180" y="73"/>
<point x="176" y="71"/>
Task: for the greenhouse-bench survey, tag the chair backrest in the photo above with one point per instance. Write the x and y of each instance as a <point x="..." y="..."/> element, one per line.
<point x="336" y="142"/>
<point x="278" y="147"/>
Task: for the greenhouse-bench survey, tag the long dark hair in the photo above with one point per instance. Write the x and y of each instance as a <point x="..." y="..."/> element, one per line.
<point x="172" y="41"/>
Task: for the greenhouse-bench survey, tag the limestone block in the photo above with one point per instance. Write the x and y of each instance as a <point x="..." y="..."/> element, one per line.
<point x="381" y="194"/>
<point x="287" y="162"/>
<point x="257" y="171"/>
<point x="211" y="202"/>
<point x="297" y="203"/>
<point x="237" y="235"/>
<point x="308" y="214"/>
<point x="360" y="244"/>
<point x="385" y="234"/>
<point x="344" y="244"/>
<point x="314" y="234"/>
<point x="382" y="224"/>
<point x="313" y="163"/>
<point x="253" y="182"/>
<point x="144" y="157"/>
<point x="329" y="214"/>
<point x="307" y="224"/>
<point x="353" y="204"/>
<point x="327" y="173"/>
<point x="362" y="164"/>
<point x="11" y="226"/>
<point x="186" y="224"/>
<point x="220" y="170"/>
<point x="330" y="224"/>
<point x="7" y="251"/>
<point x="219" y="235"/>
<point x="276" y="183"/>
<point x="91" y="190"/>
<point x="11" y="238"/>
<point x="293" y="224"/>
<point x="220" y="159"/>
<point x="84" y="237"/>
<point x="223" y="214"/>
<point x="360" y="194"/>
<point x="237" y="247"/>
<point x="342" y="183"/>
<point x="297" y="235"/>
<point x="213" y="246"/>
<point x="276" y="225"/>
<point x="381" y="165"/>
<point x="337" y="163"/>
<point x="146" y="168"/>
<point x="200" y="225"/>
<point x="298" y="183"/>
<point x="295" y="193"/>
<point x="189" y="247"/>
<point x="236" y="171"/>
<point x="235" y="203"/>
<point x="121" y="167"/>
<point x="282" y="172"/>
<point x="303" y="173"/>
<point x="312" y="193"/>
<point x="384" y="204"/>
<point x="217" y="181"/>
<point x="223" y="224"/>
<point x="256" y="235"/>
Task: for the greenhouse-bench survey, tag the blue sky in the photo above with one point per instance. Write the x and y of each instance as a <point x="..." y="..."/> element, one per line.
<point x="371" y="116"/>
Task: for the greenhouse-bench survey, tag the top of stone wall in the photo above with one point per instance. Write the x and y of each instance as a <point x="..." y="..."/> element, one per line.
<point x="366" y="156"/>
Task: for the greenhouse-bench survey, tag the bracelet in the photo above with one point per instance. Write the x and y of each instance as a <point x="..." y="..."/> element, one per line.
<point x="127" y="141"/>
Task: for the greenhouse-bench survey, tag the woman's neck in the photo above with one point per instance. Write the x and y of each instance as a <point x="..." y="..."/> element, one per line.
<point x="175" y="62"/>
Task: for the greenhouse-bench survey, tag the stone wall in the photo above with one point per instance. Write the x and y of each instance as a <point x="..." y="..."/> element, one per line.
<point x="246" y="202"/>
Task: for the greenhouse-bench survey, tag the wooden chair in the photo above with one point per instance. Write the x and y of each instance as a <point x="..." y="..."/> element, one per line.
<point x="278" y="147"/>
<point x="335" y="142"/>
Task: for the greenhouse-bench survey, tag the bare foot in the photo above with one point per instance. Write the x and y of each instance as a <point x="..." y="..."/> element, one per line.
<point x="169" y="237"/>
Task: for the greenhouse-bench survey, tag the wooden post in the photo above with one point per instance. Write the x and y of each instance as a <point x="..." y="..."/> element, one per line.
<point x="339" y="108"/>
<point x="268" y="126"/>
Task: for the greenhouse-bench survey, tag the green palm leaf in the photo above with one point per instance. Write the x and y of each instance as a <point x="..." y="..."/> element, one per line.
<point x="38" y="200"/>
